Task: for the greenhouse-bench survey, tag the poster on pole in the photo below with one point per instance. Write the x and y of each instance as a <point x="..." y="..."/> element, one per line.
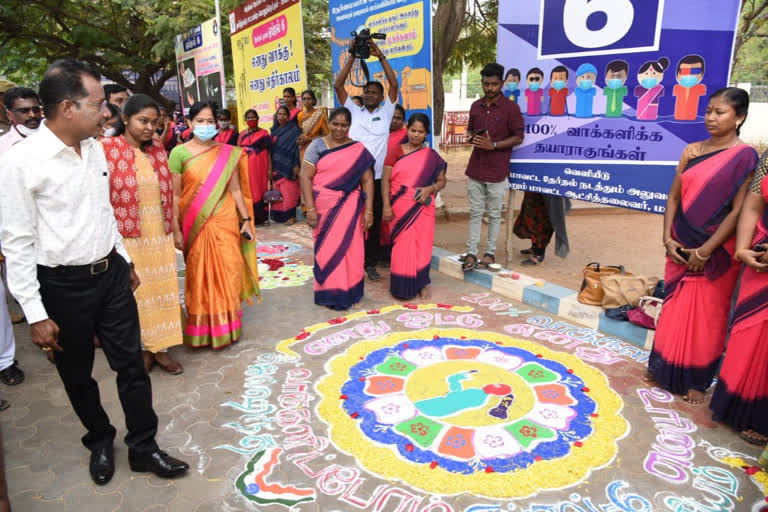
<point x="408" y="46"/>
<point x="200" y="64"/>
<point x="612" y="91"/>
<point x="268" y="54"/>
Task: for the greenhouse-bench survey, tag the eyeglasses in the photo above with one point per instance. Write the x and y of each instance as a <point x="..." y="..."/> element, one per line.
<point x="28" y="110"/>
<point x="102" y="106"/>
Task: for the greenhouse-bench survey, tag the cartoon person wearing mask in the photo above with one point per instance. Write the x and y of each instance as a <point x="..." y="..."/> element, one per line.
<point x="558" y="92"/>
<point x="585" y="91"/>
<point x="616" y="74"/>
<point x="534" y="93"/>
<point x="650" y="90"/>
<point x="512" y="85"/>
<point x="690" y="73"/>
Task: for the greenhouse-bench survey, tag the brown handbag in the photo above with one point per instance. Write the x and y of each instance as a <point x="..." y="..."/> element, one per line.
<point x="592" y="292"/>
<point x="621" y="290"/>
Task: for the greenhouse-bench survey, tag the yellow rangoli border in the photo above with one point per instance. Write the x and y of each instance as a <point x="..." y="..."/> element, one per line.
<point x="597" y="451"/>
<point x="284" y="346"/>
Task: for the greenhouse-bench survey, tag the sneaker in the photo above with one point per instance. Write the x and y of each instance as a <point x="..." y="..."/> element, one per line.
<point x="373" y="274"/>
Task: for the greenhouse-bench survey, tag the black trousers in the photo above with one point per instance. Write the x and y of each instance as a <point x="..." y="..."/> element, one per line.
<point x="372" y="245"/>
<point x="82" y="304"/>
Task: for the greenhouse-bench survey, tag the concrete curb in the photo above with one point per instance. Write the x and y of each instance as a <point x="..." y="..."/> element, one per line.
<point x="547" y="296"/>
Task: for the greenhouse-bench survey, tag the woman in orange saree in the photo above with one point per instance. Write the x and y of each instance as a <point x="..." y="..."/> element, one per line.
<point x="216" y="217"/>
<point x="312" y="121"/>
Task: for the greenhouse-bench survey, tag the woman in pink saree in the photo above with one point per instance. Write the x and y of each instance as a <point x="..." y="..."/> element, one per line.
<point x="699" y="225"/>
<point x="650" y="90"/>
<point x="334" y="170"/>
<point x="413" y="175"/>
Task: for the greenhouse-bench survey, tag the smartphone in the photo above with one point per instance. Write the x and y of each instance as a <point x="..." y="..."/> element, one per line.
<point x="686" y="256"/>
<point x="247" y="236"/>
<point x="479" y="132"/>
<point x="427" y="203"/>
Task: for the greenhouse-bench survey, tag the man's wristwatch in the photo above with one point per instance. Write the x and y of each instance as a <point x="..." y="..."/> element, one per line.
<point x="494" y="145"/>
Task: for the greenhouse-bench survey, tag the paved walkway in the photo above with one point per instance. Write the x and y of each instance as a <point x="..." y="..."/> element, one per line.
<point x="459" y="404"/>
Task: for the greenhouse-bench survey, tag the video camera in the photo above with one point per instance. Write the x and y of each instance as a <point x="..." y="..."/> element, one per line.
<point x="361" y="48"/>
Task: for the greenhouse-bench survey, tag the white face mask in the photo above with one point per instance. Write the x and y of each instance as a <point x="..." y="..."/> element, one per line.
<point x="224" y="125"/>
<point x="110" y="132"/>
<point x="25" y="131"/>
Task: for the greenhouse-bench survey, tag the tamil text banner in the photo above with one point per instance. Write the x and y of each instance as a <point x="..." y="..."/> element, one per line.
<point x="268" y="54"/>
<point x="200" y="64"/>
<point x="612" y="91"/>
<point x="408" y="46"/>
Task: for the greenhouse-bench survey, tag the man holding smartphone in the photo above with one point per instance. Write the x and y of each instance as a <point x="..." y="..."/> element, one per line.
<point x="495" y="127"/>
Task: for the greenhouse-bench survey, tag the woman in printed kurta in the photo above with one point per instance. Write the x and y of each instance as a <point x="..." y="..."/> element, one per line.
<point x="211" y="188"/>
<point x="141" y="191"/>
<point x="699" y="225"/>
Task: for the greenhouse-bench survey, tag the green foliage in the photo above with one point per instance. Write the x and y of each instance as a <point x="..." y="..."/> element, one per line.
<point x="476" y="45"/>
<point x="317" y="41"/>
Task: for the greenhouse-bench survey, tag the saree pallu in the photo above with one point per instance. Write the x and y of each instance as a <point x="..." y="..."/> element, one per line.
<point x="285" y="156"/>
<point x="338" y="237"/>
<point x="692" y="328"/>
<point x="413" y="225"/>
<point x="741" y="394"/>
<point x="396" y="138"/>
<point x="312" y="125"/>
<point x="257" y="145"/>
<point x="221" y="267"/>
<point x="648" y="102"/>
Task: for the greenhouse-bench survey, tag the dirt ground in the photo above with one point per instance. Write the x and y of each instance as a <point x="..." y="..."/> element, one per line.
<point x="610" y="236"/>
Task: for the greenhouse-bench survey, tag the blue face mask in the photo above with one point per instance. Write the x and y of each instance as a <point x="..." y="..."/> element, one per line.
<point x="649" y="83"/>
<point x="205" y="132"/>
<point x="586" y="85"/>
<point x="614" y="83"/>
<point x="534" y="86"/>
<point x="558" y="84"/>
<point x="689" y="80"/>
<point x="512" y="86"/>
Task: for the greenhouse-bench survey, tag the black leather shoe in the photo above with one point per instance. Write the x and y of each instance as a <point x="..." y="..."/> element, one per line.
<point x="157" y="462"/>
<point x="102" y="465"/>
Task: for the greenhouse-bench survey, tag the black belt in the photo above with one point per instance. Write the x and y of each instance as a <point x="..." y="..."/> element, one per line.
<point x="91" y="269"/>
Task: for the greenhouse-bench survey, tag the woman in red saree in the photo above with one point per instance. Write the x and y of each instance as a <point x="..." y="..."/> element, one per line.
<point x="211" y="189"/>
<point x="257" y="143"/>
<point x="334" y="171"/>
<point x="741" y="394"/>
<point x="413" y="175"/>
<point x="398" y="134"/>
<point x="285" y="167"/>
<point x="227" y="132"/>
<point x="699" y="224"/>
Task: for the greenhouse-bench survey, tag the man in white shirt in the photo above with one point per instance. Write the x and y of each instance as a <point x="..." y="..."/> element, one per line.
<point x="370" y="125"/>
<point x="68" y="268"/>
<point x="26" y="114"/>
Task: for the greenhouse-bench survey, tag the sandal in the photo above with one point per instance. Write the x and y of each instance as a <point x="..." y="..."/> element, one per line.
<point x="753" y="437"/>
<point x="470" y="263"/>
<point x="173" y="367"/>
<point x="527" y="252"/>
<point x="485" y="263"/>
<point x="4" y="404"/>
<point x="533" y="261"/>
<point x="12" y="376"/>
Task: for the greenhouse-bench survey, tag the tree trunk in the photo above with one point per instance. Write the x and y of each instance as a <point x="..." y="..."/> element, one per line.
<point x="446" y="28"/>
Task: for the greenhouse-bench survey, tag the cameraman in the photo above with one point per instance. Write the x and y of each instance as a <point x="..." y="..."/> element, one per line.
<point x="370" y="125"/>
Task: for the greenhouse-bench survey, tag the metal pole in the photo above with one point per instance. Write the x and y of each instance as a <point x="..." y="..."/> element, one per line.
<point x="221" y="58"/>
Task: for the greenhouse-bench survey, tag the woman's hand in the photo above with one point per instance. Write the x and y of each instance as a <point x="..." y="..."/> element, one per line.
<point x="698" y="259"/>
<point x="303" y="139"/>
<point x="246" y="227"/>
<point x="423" y="194"/>
<point x="311" y="217"/>
<point x="672" y="246"/>
<point x="367" y="220"/>
<point x="752" y="259"/>
<point x="178" y="240"/>
<point x="386" y="214"/>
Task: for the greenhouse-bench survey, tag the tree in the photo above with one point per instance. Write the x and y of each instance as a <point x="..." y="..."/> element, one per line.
<point x="317" y="42"/>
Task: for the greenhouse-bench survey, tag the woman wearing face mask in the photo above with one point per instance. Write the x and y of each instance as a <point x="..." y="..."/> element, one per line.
<point x="312" y="121"/>
<point x="699" y="225"/>
<point x="114" y="125"/>
<point x="215" y="215"/>
<point x="334" y="170"/>
<point x="650" y="90"/>
<point x="227" y="133"/>
<point x="413" y="174"/>
<point x="257" y="144"/>
<point x="285" y="167"/>
<point x="141" y="190"/>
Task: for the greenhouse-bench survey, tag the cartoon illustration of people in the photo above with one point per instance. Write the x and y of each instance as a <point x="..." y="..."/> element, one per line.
<point x="690" y="73"/>
<point x="459" y="399"/>
<point x="586" y="76"/>
<point x="616" y="74"/>
<point x="650" y="90"/>
<point x="558" y="92"/>
<point x="534" y="94"/>
<point x="512" y="85"/>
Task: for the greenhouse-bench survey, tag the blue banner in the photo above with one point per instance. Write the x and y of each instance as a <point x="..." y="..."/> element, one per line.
<point x="612" y="91"/>
<point x="408" y="47"/>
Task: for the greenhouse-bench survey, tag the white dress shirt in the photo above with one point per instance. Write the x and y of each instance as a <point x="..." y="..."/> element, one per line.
<point x="372" y="129"/>
<point x="54" y="210"/>
<point x="10" y="139"/>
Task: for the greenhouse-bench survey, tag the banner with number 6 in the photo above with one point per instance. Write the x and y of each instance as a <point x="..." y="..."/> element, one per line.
<point x="612" y="91"/>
